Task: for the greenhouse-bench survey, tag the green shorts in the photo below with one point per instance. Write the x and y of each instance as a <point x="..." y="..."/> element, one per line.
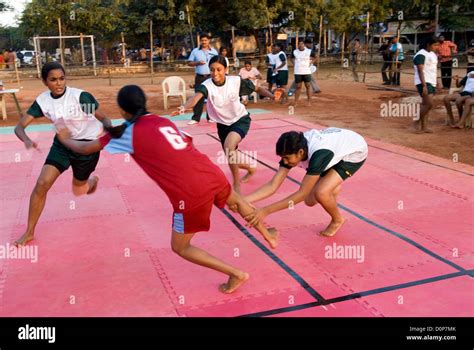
<point x="61" y="158"/>
<point x="282" y="78"/>
<point x="431" y="89"/>
<point x="300" y="78"/>
<point x="345" y="169"/>
<point x="241" y="127"/>
<point x="270" y="76"/>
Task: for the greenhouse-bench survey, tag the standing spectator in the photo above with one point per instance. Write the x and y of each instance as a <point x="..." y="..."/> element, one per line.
<point x="270" y="61"/>
<point x="20" y="56"/>
<point x="223" y="53"/>
<point x="314" y="85"/>
<point x="425" y="64"/>
<point x="356" y="53"/>
<point x="281" y="69"/>
<point x="199" y="58"/>
<point x="445" y="51"/>
<point x="384" y="50"/>
<point x="303" y="58"/>
<point x="10" y="58"/>
<point x="398" y="57"/>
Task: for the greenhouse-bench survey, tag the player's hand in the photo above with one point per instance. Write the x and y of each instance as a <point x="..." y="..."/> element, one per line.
<point x="256" y="217"/>
<point x="29" y="144"/>
<point x="201" y="63"/>
<point x="62" y="131"/>
<point x="179" y="111"/>
<point x="424" y="91"/>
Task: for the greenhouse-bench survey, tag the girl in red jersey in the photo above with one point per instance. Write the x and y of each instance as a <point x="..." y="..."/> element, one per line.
<point x="191" y="181"/>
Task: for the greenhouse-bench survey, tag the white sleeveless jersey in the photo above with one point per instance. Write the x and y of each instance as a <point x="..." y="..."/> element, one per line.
<point x="346" y="145"/>
<point x="223" y="102"/>
<point x="82" y="125"/>
<point x="302" y="61"/>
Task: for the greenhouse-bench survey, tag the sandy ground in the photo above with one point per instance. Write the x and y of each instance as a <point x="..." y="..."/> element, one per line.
<point x="342" y="103"/>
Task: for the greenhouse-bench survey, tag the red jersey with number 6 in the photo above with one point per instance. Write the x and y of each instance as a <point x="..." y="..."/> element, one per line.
<point x="167" y="155"/>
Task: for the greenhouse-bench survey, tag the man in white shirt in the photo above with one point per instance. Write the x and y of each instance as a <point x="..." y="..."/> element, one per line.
<point x="199" y="58"/>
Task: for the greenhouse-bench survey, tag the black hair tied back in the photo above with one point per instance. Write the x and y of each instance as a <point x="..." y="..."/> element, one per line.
<point x="290" y="143"/>
<point x="131" y="99"/>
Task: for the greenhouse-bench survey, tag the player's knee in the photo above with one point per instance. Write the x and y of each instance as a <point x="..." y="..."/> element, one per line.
<point x="42" y="187"/>
<point x="177" y="248"/>
<point x="321" y="195"/>
<point x="310" y="200"/>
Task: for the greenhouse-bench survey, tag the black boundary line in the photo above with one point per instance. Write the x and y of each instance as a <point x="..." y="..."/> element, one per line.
<point x="275" y="258"/>
<point x="360" y="294"/>
<point x="372" y="223"/>
<point x="401" y="154"/>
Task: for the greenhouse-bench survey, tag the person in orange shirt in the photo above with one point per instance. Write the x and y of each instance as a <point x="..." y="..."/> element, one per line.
<point x="445" y="51"/>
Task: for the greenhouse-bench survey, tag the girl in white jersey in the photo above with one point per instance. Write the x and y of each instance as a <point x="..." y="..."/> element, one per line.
<point x="78" y="111"/>
<point x="329" y="156"/>
<point x="426" y="69"/>
<point x="224" y="107"/>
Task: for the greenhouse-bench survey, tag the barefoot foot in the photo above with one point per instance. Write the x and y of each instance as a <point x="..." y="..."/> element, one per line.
<point x="332" y="228"/>
<point x="249" y="174"/>
<point x="23" y="240"/>
<point x="273" y="237"/>
<point x="93" y="181"/>
<point x="234" y="283"/>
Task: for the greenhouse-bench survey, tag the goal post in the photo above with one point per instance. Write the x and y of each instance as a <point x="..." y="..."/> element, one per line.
<point x="37" y="48"/>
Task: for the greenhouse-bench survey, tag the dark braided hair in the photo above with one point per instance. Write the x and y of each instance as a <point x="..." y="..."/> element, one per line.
<point x="218" y="58"/>
<point x="290" y="143"/>
<point x="131" y="99"/>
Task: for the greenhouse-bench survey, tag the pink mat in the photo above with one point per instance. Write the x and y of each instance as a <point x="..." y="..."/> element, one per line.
<point x="109" y="254"/>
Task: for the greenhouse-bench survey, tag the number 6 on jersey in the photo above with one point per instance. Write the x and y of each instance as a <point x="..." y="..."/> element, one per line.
<point x="173" y="137"/>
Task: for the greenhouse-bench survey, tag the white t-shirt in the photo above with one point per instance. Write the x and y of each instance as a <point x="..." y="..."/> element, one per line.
<point x="469" y="87"/>
<point x="81" y="124"/>
<point x="302" y="61"/>
<point x="278" y="61"/>
<point x="223" y="102"/>
<point x="334" y="145"/>
<point x="249" y="74"/>
<point x="430" y="67"/>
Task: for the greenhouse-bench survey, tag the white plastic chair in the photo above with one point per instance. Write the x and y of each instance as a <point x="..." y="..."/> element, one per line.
<point x="173" y="86"/>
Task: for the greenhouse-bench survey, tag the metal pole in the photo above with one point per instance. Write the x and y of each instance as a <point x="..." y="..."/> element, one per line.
<point x="366" y="44"/>
<point x="342" y="46"/>
<point x="61" y="49"/>
<point x="319" y="44"/>
<point x="38" y="55"/>
<point x="190" y="26"/>
<point x="93" y="55"/>
<point x="123" y="48"/>
<point x="82" y="51"/>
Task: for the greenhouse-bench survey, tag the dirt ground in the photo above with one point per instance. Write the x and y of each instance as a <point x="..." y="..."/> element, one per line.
<point x="342" y="103"/>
